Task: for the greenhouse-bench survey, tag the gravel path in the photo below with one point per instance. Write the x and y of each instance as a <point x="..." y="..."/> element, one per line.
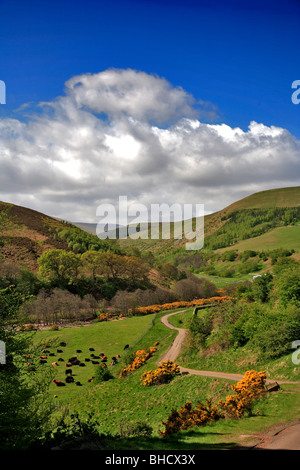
<point x="172" y="353"/>
<point x="285" y="438"/>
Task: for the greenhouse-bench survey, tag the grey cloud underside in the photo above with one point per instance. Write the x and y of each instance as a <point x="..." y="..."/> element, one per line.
<point x="123" y="132"/>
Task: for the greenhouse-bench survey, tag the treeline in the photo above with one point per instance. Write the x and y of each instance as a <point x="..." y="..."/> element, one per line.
<point x="80" y="241"/>
<point x="249" y="223"/>
<point x="232" y="262"/>
<point x="186" y="289"/>
<point x="75" y="287"/>
<point x="265" y="316"/>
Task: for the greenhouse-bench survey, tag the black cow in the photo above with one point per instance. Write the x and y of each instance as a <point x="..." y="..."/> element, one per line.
<point x="127" y="346"/>
<point x="69" y="379"/>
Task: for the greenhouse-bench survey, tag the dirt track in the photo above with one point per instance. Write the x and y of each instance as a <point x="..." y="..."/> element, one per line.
<point x="285" y="438"/>
<point x="174" y="350"/>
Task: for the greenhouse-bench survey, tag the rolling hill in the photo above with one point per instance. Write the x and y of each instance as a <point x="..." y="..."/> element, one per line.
<point x="264" y="212"/>
<point x="265" y="220"/>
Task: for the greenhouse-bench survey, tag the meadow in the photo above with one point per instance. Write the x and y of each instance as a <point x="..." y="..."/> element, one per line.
<point x="117" y="404"/>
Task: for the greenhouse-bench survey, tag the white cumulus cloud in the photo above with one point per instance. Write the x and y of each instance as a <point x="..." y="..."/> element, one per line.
<point x="126" y="132"/>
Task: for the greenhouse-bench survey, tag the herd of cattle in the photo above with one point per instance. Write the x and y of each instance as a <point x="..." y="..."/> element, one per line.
<point x="74" y="361"/>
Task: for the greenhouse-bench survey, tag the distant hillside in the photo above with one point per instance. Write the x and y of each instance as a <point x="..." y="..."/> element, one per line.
<point x="241" y="225"/>
<point x="258" y="213"/>
<point x="25" y="234"/>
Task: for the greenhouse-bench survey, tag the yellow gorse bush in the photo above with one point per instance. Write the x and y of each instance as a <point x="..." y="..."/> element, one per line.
<point x="247" y="392"/>
<point x="141" y="356"/>
<point x="163" y="374"/>
<point x="187" y="417"/>
<point x="170" y="306"/>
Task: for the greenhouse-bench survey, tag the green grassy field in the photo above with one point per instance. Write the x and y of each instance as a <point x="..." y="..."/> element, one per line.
<point x="107" y="337"/>
<point x="123" y="401"/>
<point x="280" y="237"/>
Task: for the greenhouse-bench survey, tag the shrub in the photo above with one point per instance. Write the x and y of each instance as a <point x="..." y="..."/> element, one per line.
<point x="230" y="255"/>
<point x="135" y="429"/>
<point x="163" y="374"/>
<point x="187" y="417"/>
<point x="247" y="391"/>
<point x="103" y="374"/>
<point x="139" y="359"/>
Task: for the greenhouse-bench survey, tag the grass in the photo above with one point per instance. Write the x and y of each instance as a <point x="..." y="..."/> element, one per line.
<point x="125" y="401"/>
<point x="221" y="282"/>
<point x="107" y="337"/>
<point x="280" y="237"/>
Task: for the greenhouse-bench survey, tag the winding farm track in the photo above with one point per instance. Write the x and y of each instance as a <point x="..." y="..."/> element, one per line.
<point x="286" y="437"/>
<point x="172" y="353"/>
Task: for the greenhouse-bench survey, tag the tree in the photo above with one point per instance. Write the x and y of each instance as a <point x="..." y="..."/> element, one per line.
<point x="135" y="269"/>
<point x="60" y="266"/>
<point x="262" y="286"/>
<point x="113" y="265"/>
<point x="92" y="260"/>
<point x="169" y="270"/>
<point x="288" y="286"/>
<point x="23" y="418"/>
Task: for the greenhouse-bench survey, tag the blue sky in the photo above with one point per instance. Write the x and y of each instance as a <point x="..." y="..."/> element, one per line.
<point x="236" y="59"/>
<point x="243" y="59"/>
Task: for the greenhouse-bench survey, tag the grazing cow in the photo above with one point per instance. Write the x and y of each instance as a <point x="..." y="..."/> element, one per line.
<point x="69" y="379"/>
<point x="95" y="362"/>
<point x="62" y="345"/>
<point x="96" y="357"/>
<point x="78" y="383"/>
<point x="90" y="380"/>
<point x="59" y="383"/>
<point x="43" y="357"/>
<point x="61" y="359"/>
<point x="79" y="351"/>
<point x="42" y="361"/>
<point x="82" y="364"/>
<point x="51" y="354"/>
<point x="59" y="350"/>
<point x="91" y="349"/>
<point x="87" y="359"/>
<point x="68" y="364"/>
<point x="54" y="364"/>
<point x="68" y="371"/>
<point x="46" y="346"/>
<point x="127" y="346"/>
<point x="118" y="355"/>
